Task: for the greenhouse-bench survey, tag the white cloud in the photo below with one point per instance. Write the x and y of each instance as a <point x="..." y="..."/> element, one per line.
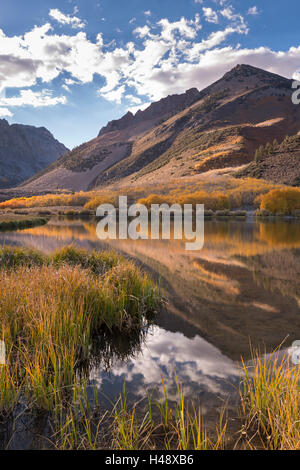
<point x="236" y="18"/>
<point x="142" y="31"/>
<point x="253" y="11"/>
<point x="169" y="57"/>
<point x="115" y="95"/>
<point x="210" y="15"/>
<point x="4" y="112"/>
<point x="147" y="13"/>
<point x="35" y="99"/>
<point x="70" y="81"/>
<point x="133" y="99"/>
<point x="67" y="19"/>
<point x="140" y="107"/>
<point x="184" y="27"/>
<point x="228" y="13"/>
<point x="195" y="361"/>
<point x="213" y="40"/>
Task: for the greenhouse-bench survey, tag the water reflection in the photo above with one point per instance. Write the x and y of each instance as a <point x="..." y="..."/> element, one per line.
<point x="204" y="371"/>
<point x="243" y="285"/>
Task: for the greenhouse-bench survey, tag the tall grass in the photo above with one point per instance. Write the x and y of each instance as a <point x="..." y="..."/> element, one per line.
<point x="270" y="402"/>
<point x="50" y="309"/>
<point x="138" y="427"/>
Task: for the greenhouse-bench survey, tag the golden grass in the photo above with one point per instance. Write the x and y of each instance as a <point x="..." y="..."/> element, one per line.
<point x="165" y="425"/>
<point x="210" y="158"/>
<point x="270" y="399"/>
<point x="50" y="308"/>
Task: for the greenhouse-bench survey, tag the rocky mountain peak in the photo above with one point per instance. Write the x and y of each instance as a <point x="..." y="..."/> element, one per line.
<point x="25" y="150"/>
<point x="244" y="71"/>
<point x="4" y="123"/>
<point x="165" y="106"/>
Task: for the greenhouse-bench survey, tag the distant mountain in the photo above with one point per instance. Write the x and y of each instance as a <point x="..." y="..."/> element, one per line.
<point x="182" y="135"/>
<point x="25" y="150"/>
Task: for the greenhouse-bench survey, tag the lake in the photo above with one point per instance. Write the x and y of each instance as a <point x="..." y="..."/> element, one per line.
<point x="241" y="288"/>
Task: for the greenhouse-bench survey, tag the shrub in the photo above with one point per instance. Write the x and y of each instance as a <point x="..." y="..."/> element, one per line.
<point x="223" y="213"/>
<point x="48" y="200"/>
<point x="105" y="198"/>
<point x="211" y="201"/>
<point x="262" y="213"/>
<point x="281" y="201"/>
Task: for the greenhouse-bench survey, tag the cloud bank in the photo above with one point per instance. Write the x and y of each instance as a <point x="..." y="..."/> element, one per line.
<point x="164" y="57"/>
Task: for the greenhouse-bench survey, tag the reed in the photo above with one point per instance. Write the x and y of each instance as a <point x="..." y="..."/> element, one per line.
<point x="270" y="402"/>
<point x="176" y="426"/>
<point x="51" y="308"/>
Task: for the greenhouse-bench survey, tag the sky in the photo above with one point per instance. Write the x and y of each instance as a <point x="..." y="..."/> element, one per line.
<point x="73" y="65"/>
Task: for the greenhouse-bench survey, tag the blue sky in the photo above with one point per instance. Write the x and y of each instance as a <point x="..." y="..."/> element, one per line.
<point x="73" y="65"/>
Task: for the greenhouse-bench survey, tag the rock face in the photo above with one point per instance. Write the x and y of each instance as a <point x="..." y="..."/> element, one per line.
<point x="182" y="135"/>
<point x="165" y="106"/>
<point x="25" y="150"/>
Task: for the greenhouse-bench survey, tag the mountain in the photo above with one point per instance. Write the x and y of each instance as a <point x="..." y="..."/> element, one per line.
<point x="182" y="135"/>
<point x="281" y="164"/>
<point x="25" y="150"/>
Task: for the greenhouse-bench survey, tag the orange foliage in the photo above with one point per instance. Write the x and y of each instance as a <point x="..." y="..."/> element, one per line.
<point x="49" y="200"/>
<point x="210" y="158"/>
<point x="105" y="198"/>
<point x="285" y="201"/>
<point x="212" y="201"/>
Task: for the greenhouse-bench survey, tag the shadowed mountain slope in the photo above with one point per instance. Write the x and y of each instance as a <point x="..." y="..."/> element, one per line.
<point x="25" y="150"/>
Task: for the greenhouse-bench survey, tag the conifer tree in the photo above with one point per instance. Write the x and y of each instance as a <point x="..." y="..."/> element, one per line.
<point x="268" y="149"/>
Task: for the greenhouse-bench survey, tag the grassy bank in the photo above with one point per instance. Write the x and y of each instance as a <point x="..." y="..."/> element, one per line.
<point x="51" y="307"/>
<point x="15" y="223"/>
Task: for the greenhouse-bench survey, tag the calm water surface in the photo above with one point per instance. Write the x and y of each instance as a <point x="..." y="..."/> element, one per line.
<point x="243" y="286"/>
